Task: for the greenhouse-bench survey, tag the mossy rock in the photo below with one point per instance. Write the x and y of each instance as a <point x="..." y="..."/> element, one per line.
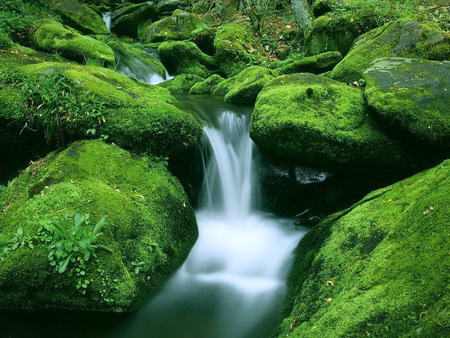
<point x="181" y="84"/>
<point x="20" y="55"/>
<point x="237" y="48"/>
<point x="126" y="20"/>
<point x="52" y="36"/>
<point x="206" y="86"/>
<point x="138" y="116"/>
<point x="79" y="16"/>
<point x="379" y="268"/>
<point x="204" y="39"/>
<point x="245" y="86"/>
<point x="165" y="6"/>
<point x="149" y="220"/>
<point x="307" y="118"/>
<point x="184" y="57"/>
<point x="179" y="26"/>
<point x="413" y="94"/>
<point x="412" y="39"/>
<point x="311" y="64"/>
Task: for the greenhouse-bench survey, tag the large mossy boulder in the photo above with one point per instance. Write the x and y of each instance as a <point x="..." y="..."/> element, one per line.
<point x="79" y="16"/>
<point x="207" y="86"/>
<point x="316" y="64"/>
<point x="244" y="87"/>
<point x="181" y="84"/>
<point x="184" y="57"/>
<point x="379" y="268"/>
<point x="134" y="115"/>
<point x="179" y="26"/>
<point x="126" y="20"/>
<point x="412" y="39"/>
<point x="150" y="225"/>
<point x="307" y="118"/>
<point x="237" y="48"/>
<point x="166" y="6"/>
<point x="413" y="94"/>
<point x="52" y="36"/>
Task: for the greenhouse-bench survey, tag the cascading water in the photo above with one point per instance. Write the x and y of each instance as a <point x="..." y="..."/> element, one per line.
<point x="107" y="16"/>
<point x="234" y="281"/>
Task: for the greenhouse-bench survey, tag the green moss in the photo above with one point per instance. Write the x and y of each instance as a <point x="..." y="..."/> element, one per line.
<point x="245" y="86"/>
<point x="79" y="16"/>
<point x="418" y="103"/>
<point x="313" y="64"/>
<point x="184" y="57"/>
<point x="51" y="36"/>
<point x="237" y="48"/>
<point x="128" y="19"/>
<point x="382" y="265"/>
<point x="206" y="86"/>
<point x="179" y="26"/>
<point x="149" y="218"/>
<point x="5" y="41"/>
<point x="204" y="37"/>
<point x="400" y="38"/>
<point x="309" y="118"/>
<point x="181" y="83"/>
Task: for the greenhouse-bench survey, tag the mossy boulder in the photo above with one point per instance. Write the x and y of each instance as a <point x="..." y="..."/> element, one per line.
<point x="413" y="94"/>
<point x="79" y="16"/>
<point x="179" y="26"/>
<point x="379" y="268"/>
<point x="52" y="36"/>
<point x="181" y="83"/>
<point x="237" y="48"/>
<point x="165" y="6"/>
<point x="204" y="39"/>
<point x="422" y="40"/>
<point x="184" y="57"/>
<point x="307" y="118"/>
<point x="245" y="86"/>
<point x="126" y="20"/>
<point x="149" y="220"/>
<point x="136" y="115"/>
<point x="311" y="64"/>
<point x="206" y="86"/>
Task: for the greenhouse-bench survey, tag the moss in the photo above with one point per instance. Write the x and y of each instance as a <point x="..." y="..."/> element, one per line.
<point x="51" y="36"/>
<point x="149" y="217"/>
<point x="382" y="265"/>
<point x="419" y="103"/>
<point x="128" y="19"/>
<point x="181" y="84"/>
<point x="399" y="38"/>
<point x="79" y="16"/>
<point x="313" y="64"/>
<point x="184" y="57"/>
<point x="206" y="86"/>
<point x="245" y="86"/>
<point x="204" y="37"/>
<point x="138" y="116"/>
<point x="237" y="48"/>
<point x="309" y="118"/>
<point x="5" y="41"/>
<point x="179" y="26"/>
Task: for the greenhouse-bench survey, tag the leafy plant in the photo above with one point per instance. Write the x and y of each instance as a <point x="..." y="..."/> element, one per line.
<point x="74" y="241"/>
<point x="17" y="240"/>
<point x="137" y="266"/>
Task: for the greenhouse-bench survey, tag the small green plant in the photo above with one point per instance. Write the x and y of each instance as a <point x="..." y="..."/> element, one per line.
<point x="138" y="266"/>
<point x="17" y="240"/>
<point x="74" y="241"/>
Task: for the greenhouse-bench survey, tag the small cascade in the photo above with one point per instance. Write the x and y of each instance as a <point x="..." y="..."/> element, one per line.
<point x="107" y="16"/>
<point x="233" y="283"/>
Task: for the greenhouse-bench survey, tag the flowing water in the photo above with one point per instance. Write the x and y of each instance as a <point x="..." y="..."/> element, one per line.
<point x="107" y="16"/>
<point x="234" y="281"/>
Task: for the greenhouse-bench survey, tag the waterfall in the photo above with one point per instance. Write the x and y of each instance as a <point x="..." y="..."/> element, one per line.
<point x="233" y="283"/>
<point x="107" y="16"/>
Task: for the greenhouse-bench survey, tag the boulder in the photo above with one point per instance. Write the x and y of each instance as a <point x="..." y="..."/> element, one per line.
<point x="244" y="87"/>
<point x="237" y="48"/>
<point x="179" y="26"/>
<point x="311" y="64"/>
<point x="126" y="20"/>
<point x="149" y="231"/>
<point x="413" y="94"/>
<point x="422" y="40"/>
<point x="52" y="36"/>
<point x="204" y="39"/>
<point x="167" y="6"/>
<point x="206" y="86"/>
<point x="307" y="118"/>
<point x="181" y="83"/>
<point x="184" y="57"/>
<point x="377" y="268"/>
<point x="79" y="16"/>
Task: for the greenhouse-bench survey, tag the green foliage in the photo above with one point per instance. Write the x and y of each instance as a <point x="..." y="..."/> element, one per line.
<point x="5" y="41"/>
<point x="74" y="241"/>
<point x="17" y="240"/>
<point x="49" y="101"/>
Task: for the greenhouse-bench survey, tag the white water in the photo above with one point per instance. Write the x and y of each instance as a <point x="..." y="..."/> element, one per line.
<point x="233" y="283"/>
<point x="107" y="16"/>
<point x="139" y="70"/>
